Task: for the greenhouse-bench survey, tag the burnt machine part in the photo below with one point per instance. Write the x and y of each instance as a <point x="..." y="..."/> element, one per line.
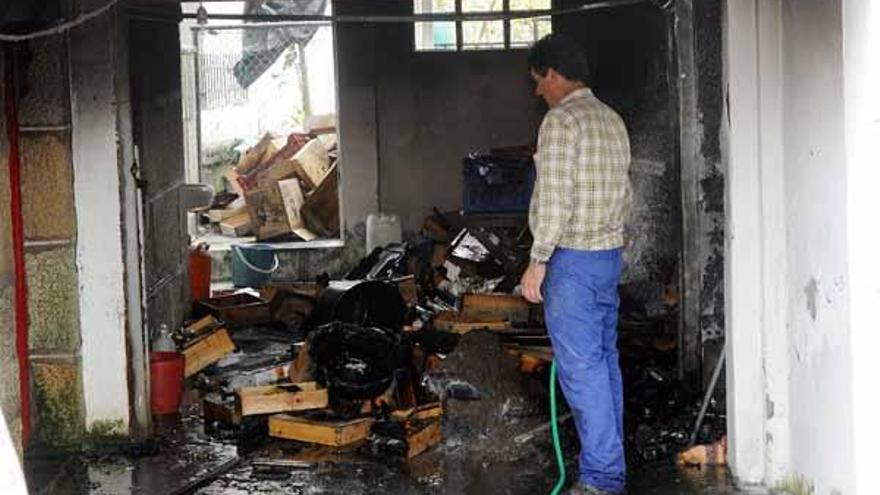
<point x="364" y="303"/>
<point x="355" y="362"/>
<point x="382" y="263"/>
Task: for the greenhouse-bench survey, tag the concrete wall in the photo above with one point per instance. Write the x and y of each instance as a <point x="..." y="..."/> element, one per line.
<point x="154" y="51"/>
<point x="816" y="216"/>
<point x="50" y="240"/>
<point x="435" y="108"/>
<point x="408" y="119"/>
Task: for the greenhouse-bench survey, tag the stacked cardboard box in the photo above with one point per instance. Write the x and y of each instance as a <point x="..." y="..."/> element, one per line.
<point x="285" y="188"/>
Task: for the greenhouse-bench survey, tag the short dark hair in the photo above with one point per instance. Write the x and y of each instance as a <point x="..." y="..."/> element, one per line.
<point x="562" y="54"/>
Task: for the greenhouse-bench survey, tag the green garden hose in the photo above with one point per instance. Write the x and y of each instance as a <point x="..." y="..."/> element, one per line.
<point x="554" y="427"/>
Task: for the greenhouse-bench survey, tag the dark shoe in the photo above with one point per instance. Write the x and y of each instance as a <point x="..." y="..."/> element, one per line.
<point x="582" y="489"/>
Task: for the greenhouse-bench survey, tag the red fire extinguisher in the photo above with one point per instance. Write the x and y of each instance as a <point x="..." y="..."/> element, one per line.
<point x="199" y="272"/>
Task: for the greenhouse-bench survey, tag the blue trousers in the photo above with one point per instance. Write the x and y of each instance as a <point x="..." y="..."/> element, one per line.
<point x="580" y="309"/>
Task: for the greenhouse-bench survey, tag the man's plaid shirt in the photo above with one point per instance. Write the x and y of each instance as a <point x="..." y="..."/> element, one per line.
<point x="582" y="194"/>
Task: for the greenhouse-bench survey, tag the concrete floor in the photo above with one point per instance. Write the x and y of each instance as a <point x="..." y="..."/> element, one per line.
<point x="184" y="457"/>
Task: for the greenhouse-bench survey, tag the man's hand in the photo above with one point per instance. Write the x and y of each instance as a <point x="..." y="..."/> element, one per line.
<point x="532" y="280"/>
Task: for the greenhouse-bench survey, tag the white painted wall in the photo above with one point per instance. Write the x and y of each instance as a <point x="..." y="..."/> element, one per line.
<point x="98" y="216"/>
<point x="816" y="219"/>
<point x="802" y="196"/>
<point x="861" y="46"/>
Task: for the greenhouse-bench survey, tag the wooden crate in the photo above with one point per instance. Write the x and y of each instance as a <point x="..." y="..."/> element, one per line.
<point x="206" y="351"/>
<point x="238" y="310"/>
<point x="332" y="433"/>
<point x="451" y="321"/>
<point x="422" y="438"/>
<point x="321" y="209"/>
<point x="275" y="399"/>
<point x="214" y="409"/>
<point x="201" y="326"/>
<point x="499" y="306"/>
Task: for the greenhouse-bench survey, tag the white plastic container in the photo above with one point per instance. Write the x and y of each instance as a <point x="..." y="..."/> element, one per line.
<point x="382" y="229"/>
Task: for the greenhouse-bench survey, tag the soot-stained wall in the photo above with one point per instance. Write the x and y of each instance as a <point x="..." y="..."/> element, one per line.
<point x="408" y="118"/>
<point x="629" y="54"/>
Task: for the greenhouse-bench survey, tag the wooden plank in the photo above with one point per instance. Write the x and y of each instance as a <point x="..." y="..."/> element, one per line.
<point x="263" y="150"/>
<point x="201" y="326"/>
<point x="332" y="433"/>
<point x="277" y="167"/>
<point x="457" y="323"/>
<point x="312" y="161"/>
<point x="232" y="178"/>
<point x="238" y="225"/>
<point x="207" y="351"/>
<point x="501" y="306"/>
<point x="238" y="310"/>
<point x="207" y="322"/>
<point x="272" y="399"/>
<point x="321" y="209"/>
<point x="219" y="215"/>
<point x="316" y="124"/>
<point x="267" y="213"/>
<point x="329" y="141"/>
<point x="423" y="438"/>
<point x="425" y="411"/>
<point x="293" y="199"/>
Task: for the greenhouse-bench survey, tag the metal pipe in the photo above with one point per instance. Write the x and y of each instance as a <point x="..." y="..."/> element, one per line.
<point x="709" y="392"/>
<point x="21" y="303"/>
<point x="251" y="25"/>
<point x="432" y="17"/>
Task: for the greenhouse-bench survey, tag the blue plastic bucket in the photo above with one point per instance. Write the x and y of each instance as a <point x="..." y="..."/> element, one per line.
<point x="253" y="264"/>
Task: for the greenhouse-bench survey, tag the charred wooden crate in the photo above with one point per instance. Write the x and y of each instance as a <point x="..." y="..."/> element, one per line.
<point x="236" y="309"/>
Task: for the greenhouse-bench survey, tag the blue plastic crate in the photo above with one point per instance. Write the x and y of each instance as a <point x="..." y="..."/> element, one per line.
<point x="495" y="184"/>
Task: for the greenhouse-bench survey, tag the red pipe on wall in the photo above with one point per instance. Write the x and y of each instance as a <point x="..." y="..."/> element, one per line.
<point x="21" y="305"/>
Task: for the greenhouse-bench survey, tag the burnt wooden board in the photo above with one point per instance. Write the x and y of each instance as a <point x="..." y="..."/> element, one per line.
<point x="332" y="433"/>
<point x="422" y="438"/>
<point x="275" y="399"/>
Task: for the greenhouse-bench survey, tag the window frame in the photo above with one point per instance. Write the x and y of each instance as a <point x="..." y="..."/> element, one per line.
<point x="459" y="31"/>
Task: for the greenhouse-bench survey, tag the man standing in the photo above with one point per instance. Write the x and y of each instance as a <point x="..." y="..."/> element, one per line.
<point x="581" y="198"/>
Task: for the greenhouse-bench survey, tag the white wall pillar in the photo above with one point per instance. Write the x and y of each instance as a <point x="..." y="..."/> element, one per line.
<point x="861" y="46"/>
<point x="743" y="247"/>
<point x="774" y="256"/>
<point x="99" y="225"/>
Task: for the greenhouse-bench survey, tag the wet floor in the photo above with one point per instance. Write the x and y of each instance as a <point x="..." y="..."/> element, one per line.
<point x="478" y="453"/>
<point x="188" y="461"/>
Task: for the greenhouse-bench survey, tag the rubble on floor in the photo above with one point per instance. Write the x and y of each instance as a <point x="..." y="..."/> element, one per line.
<point x="424" y="350"/>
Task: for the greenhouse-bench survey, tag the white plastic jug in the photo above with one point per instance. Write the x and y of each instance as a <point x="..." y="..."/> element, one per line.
<point x="382" y="229"/>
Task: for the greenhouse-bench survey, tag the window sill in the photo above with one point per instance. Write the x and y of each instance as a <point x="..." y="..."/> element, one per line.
<point x="221" y="243"/>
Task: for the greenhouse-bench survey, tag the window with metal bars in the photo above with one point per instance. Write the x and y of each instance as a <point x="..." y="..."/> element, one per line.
<point x="479" y="34"/>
